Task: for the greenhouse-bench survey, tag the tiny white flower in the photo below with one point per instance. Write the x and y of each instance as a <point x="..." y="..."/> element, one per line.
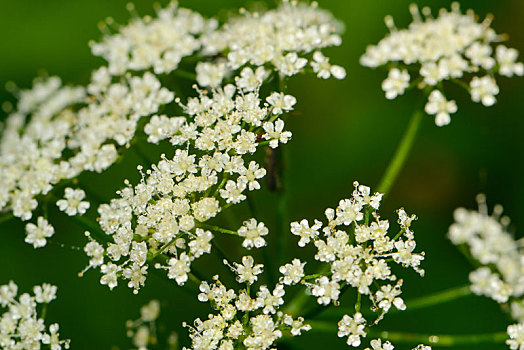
<point x="324" y="69"/>
<point x="484" y="90"/>
<point x="72" y="204"/>
<point x="252" y="233"/>
<point x="252" y="174"/>
<point x="249" y="80"/>
<point x="326" y="290"/>
<point x="396" y="83"/>
<point x="507" y="60"/>
<point x="37" y="234"/>
<point x="305" y="232"/>
<point x="516" y="336"/>
<point x="292" y="273"/>
<point x="179" y="268"/>
<point x="233" y="191"/>
<point x="247" y="271"/>
<point x="44" y="293"/>
<point x="376" y="344"/>
<point x="353" y="327"/>
<point x="275" y="132"/>
<point x="280" y="102"/>
<point x="211" y="74"/>
<point x="440" y="107"/>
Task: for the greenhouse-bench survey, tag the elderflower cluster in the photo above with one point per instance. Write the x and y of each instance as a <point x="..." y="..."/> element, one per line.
<point x="452" y="47"/>
<point x="244" y="318"/>
<point x="499" y="276"/>
<point x="20" y="325"/>
<point x="358" y="251"/>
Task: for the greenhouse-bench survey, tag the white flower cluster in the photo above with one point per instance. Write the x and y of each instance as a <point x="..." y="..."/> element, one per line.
<point x="20" y="325"/>
<point x="44" y="142"/>
<point x="251" y="321"/>
<point x="452" y="47"/>
<point x="357" y="248"/>
<point x="500" y="275"/>
<point x="376" y="344"/>
<point x="144" y="331"/>
<point x="57" y="132"/>
<point x="284" y="38"/>
<point x="159" y="43"/>
<point x="32" y="143"/>
<point x="280" y="37"/>
<point x="516" y="336"/>
<point x="210" y="171"/>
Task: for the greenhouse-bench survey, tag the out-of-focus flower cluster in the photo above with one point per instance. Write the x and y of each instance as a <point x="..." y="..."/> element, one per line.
<point x="144" y="331"/>
<point x="21" y="326"/>
<point x="501" y="262"/>
<point x="356" y="249"/>
<point x="452" y="47"/>
<point x="282" y="39"/>
<point x="59" y="132"/>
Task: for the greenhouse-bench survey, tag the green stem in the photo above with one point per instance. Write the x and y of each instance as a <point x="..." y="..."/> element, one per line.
<point x="6" y="218"/>
<point x="167" y="245"/>
<point x="263" y="143"/>
<point x="225" y="177"/>
<point x="44" y="311"/>
<point x="401" y="154"/>
<point x="461" y="84"/>
<point x="416" y="303"/>
<point x="296" y="305"/>
<point x="184" y="74"/>
<point x="442" y="339"/>
<point x="438" y="298"/>
<point x="194" y="278"/>
<point x="219" y="229"/>
<point x="414" y="338"/>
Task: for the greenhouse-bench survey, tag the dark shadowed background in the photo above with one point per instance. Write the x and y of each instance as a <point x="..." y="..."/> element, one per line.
<point x="343" y="131"/>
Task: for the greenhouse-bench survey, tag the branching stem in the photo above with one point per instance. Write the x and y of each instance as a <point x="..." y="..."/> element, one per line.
<point x="396" y="164"/>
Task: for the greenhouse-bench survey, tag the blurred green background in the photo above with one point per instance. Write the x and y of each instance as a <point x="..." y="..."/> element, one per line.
<point x="344" y="131"/>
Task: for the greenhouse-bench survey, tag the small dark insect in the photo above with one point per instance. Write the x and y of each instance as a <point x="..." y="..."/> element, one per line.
<point x="273" y="165"/>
